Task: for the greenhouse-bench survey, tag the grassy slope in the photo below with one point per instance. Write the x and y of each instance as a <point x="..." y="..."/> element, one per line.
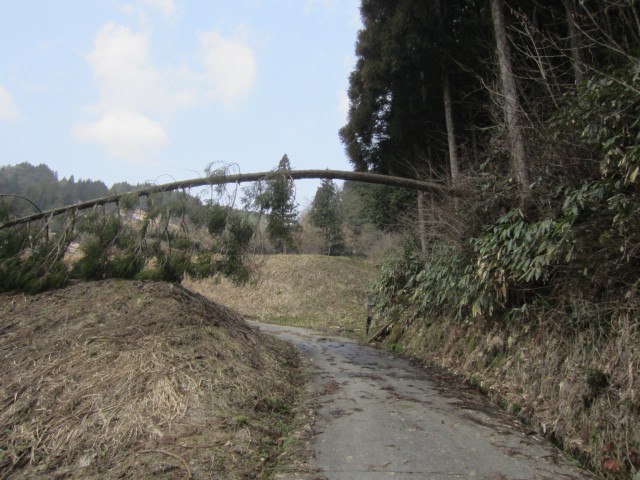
<point x="314" y="291"/>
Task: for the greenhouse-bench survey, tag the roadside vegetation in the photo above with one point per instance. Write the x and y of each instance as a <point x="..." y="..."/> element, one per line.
<point x="526" y="282"/>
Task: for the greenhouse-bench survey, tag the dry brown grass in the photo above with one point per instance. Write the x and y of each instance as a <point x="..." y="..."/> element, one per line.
<point x="553" y="380"/>
<point x="314" y="291"/>
<point x="122" y="379"/>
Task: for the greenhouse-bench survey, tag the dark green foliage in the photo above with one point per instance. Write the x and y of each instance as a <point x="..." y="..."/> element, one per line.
<point x="326" y="215"/>
<point x="588" y="248"/>
<point x="92" y="265"/>
<point x="234" y="246"/>
<point x="41" y="185"/>
<point x="238" y="235"/>
<point x="110" y="249"/>
<point x="396" y="119"/>
<point x="127" y="264"/>
<point x="171" y="267"/>
<point x="384" y="207"/>
<point x="397" y="278"/>
<point x="276" y="197"/>
<point x="31" y="262"/>
<point x="217" y="219"/>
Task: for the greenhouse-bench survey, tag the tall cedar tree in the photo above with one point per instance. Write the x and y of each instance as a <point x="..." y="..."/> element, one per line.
<point x="279" y="200"/>
<point x="415" y="91"/>
<point x="406" y="49"/>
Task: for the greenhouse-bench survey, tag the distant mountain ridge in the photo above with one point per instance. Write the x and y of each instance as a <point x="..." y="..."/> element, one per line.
<point x="41" y="185"/>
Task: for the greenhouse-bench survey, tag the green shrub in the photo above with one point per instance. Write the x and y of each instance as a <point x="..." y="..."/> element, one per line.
<point x="30" y="261"/>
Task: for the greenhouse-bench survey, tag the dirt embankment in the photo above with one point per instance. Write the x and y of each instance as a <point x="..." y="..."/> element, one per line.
<point x="123" y="379"/>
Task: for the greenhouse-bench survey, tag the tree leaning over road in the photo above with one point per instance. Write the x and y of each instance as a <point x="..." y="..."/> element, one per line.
<point x="221" y="179"/>
<point x="148" y="233"/>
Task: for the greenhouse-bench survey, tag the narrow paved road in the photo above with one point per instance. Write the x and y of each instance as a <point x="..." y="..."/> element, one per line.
<point x="381" y="417"/>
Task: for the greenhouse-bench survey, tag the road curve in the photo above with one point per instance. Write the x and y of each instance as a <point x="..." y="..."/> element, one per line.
<point x="381" y="417"/>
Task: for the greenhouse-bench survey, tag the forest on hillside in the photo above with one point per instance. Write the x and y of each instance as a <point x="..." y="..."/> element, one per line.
<point x="41" y="188"/>
<point x="528" y="111"/>
<point x="531" y="111"/>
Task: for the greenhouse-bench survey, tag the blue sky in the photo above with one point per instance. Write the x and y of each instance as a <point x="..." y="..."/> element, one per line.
<point x="154" y="90"/>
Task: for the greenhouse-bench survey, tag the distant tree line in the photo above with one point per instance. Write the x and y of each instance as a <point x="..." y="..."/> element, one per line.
<point x="42" y="186"/>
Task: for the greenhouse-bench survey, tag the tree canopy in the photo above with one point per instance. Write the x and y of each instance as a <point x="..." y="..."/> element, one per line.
<point x="396" y="119"/>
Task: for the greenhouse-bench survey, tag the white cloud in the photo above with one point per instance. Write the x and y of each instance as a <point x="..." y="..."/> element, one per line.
<point x="131" y="89"/>
<point x="167" y="8"/>
<point x="8" y="110"/>
<point x="230" y="68"/>
<point x="137" y="93"/>
<point x="126" y="75"/>
<point x="126" y="135"/>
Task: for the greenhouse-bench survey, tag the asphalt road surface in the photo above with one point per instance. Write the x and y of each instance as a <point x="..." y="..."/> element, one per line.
<point x="379" y="417"/>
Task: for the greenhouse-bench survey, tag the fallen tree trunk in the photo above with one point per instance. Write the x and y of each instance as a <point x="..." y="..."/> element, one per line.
<point x="364" y="177"/>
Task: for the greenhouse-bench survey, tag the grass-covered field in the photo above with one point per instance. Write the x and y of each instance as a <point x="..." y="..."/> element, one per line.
<point x="312" y="291"/>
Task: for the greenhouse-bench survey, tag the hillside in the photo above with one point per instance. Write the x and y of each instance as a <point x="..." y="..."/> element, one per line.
<point x="313" y="291"/>
<point x="41" y="185"/>
<point x="130" y="379"/>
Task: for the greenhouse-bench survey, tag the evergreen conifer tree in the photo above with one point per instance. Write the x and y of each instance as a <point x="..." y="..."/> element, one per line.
<point x="325" y="214"/>
<point x="279" y="200"/>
